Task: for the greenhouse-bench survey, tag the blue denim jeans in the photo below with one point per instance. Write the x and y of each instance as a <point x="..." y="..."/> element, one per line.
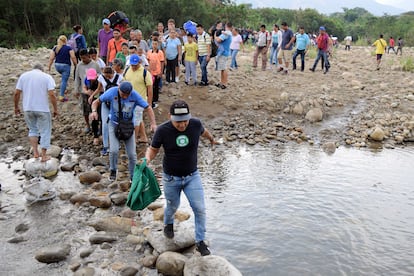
<point x="39" y="124"/>
<point x="302" y="59"/>
<point x="130" y="148"/>
<point x="321" y="54"/>
<point x="64" y="70"/>
<point x="233" y="53"/>
<point x="203" y="66"/>
<point x="105" y="130"/>
<point x="273" y="54"/>
<point x="193" y="190"/>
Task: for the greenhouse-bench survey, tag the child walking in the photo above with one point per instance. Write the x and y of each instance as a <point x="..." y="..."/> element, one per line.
<point x="190" y="59"/>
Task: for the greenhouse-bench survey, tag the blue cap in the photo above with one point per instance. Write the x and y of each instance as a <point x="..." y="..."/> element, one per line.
<point x="134" y="59"/>
<point x="125" y="87"/>
<point x="322" y="28"/>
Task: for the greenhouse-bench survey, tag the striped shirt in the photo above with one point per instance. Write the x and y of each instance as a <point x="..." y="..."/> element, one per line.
<point x="203" y="41"/>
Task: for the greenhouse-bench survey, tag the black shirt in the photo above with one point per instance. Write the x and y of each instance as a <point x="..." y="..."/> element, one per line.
<point x="180" y="148"/>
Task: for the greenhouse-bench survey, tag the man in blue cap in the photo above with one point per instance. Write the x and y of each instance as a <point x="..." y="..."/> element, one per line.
<point x="123" y="100"/>
<point x="322" y="42"/>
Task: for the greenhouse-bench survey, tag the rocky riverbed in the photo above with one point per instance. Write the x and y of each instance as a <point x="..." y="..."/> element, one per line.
<point x="353" y="105"/>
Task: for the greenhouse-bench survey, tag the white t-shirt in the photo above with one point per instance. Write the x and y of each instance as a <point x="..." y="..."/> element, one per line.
<point x="103" y="82"/>
<point x="235" y="42"/>
<point x="100" y="62"/>
<point x="35" y="86"/>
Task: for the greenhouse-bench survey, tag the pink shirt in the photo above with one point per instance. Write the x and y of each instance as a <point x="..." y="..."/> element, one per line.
<point x="235" y="42"/>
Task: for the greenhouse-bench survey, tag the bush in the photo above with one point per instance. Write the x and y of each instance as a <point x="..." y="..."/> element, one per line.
<point x="407" y="64"/>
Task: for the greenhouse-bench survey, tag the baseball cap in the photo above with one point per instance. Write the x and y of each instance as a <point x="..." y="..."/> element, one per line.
<point x="134" y="59"/>
<point x="180" y="111"/>
<point x="322" y="28"/>
<point x="106" y="21"/>
<point x="91" y="74"/>
<point x="125" y="87"/>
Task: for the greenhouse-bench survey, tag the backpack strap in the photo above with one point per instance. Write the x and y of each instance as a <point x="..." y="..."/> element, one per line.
<point x="145" y="75"/>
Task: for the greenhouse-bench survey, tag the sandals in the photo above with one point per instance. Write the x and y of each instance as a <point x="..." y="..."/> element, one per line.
<point x="222" y="86"/>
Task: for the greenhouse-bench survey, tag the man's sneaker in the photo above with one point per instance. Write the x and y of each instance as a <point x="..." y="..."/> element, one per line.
<point x="177" y="79"/>
<point x="154" y="105"/>
<point x="104" y="151"/>
<point x="112" y="176"/>
<point x="202" y="248"/>
<point x="169" y="231"/>
<point x="311" y="69"/>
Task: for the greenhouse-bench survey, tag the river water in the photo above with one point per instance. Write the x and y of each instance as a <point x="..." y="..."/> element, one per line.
<point x="284" y="210"/>
<point x="298" y="211"/>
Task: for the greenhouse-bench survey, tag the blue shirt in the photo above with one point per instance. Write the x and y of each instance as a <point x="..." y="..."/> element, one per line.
<point x="171" y="50"/>
<point x="286" y="37"/>
<point x="127" y="105"/>
<point x="224" y="45"/>
<point x="63" y="56"/>
<point x="302" y="41"/>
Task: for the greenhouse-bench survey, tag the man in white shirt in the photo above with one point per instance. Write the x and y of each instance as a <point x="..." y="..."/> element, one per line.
<point x="263" y="43"/>
<point x="37" y="88"/>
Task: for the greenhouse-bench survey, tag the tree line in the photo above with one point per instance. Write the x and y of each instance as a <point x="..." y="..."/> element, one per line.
<point x="33" y="23"/>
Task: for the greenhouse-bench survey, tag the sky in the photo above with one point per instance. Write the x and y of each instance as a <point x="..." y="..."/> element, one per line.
<point x="407" y="5"/>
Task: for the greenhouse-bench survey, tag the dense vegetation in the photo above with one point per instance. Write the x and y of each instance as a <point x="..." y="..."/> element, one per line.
<point x="31" y="23"/>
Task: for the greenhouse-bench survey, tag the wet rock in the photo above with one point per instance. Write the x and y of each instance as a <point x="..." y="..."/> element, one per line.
<point x="210" y="266"/>
<point x="89" y="177"/>
<point x="128" y="213"/>
<point x="124" y="186"/>
<point x="53" y="151"/>
<point x="17" y="239"/>
<point x="22" y="227"/>
<point x="181" y="216"/>
<point x="79" y="198"/>
<point x="113" y="224"/>
<point x="314" y="115"/>
<point x="66" y="195"/>
<point x="101" y="237"/>
<point x="100" y="201"/>
<point x="128" y="271"/>
<point x="75" y="266"/>
<point x="86" y="252"/>
<point x="118" y="198"/>
<point x="53" y="254"/>
<point x="171" y="263"/>
<point x="97" y="186"/>
<point x="148" y="260"/>
<point x="99" y="161"/>
<point x="132" y="239"/>
<point x="377" y="134"/>
<point x="68" y="167"/>
<point x="184" y="237"/>
<point x="46" y="169"/>
<point x="155" y="205"/>
<point x="298" y="109"/>
<point x="85" y="271"/>
<point x="106" y="246"/>
<point x="329" y="147"/>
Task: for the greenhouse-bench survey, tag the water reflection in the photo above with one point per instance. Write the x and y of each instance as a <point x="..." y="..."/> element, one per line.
<point x="296" y="211"/>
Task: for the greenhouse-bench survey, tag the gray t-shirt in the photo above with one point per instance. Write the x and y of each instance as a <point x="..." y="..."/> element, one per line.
<point x="286" y="37"/>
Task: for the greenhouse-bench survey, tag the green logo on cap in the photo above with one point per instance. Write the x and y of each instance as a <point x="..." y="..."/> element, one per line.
<point x="182" y="141"/>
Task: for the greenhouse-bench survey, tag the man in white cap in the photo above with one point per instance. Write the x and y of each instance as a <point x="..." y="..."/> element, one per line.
<point x="180" y="137"/>
<point x="104" y="35"/>
<point x="126" y="98"/>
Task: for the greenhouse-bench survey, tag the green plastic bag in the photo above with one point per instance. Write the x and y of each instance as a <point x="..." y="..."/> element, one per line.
<point x="144" y="188"/>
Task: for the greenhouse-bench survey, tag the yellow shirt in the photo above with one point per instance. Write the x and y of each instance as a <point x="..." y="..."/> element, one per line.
<point x="381" y="45"/>
<point x="191" y="51"/>
<point x="137" y="80"/>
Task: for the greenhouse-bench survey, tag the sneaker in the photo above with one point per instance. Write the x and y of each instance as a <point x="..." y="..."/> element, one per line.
<point x="285" y="72"/>
<point x="177" y="79"/>
<point x="154" y="105"/>
<point x="62" y="99"/>
<point x="112" y="176"/>
<point x="280" y="69"/>
<point x="186" y="82"/>
<point x="202" y="248"/>
<point x="169" y="231"/>
<point x="104" y="151"/>
<point x="311" y="69"/>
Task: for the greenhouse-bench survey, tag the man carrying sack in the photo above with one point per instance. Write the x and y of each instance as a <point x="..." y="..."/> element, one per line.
<point x="180" y="137"/>
<point x="123" y="100"/>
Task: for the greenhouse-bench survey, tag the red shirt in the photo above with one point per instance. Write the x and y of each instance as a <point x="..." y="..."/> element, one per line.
<point x="392" y="42"/>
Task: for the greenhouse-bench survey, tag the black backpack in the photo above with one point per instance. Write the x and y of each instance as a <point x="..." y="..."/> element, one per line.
<point x="113" y="83"/>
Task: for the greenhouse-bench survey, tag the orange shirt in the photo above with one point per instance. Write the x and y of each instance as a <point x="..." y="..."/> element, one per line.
<point x="154" y="60"/>
<point x="114" y="47"/>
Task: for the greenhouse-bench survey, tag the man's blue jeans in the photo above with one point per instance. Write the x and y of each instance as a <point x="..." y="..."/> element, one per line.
<point x="130" y="148"/>
<point x="302" y="59"/>
<point x="64" y="70"/>
<point x="234" y="53"/>
<point x="203" y="67"/>
<point x="321" y="54"/>
<point x="193" y="190"/>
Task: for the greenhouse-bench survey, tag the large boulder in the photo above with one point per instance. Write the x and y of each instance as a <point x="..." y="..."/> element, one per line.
<point x="314" y="115"/>
<point x="90" y="177"/>
<point x="53" y="254"/>
<point x="210" y="266"/>
<point x="34" y="167"/>
<point x="53" y="151"/>
<point x="113" y="224"/>
<point x="184" y="237"/>
<point x="171" y="263"/>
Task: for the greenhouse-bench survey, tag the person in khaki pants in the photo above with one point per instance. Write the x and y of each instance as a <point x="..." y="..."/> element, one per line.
<point x="262" y="45"/>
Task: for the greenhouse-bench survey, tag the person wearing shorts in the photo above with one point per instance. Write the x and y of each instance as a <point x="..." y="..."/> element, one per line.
<point x="223" y="53"/>
<point x="380" y="45"/>
<point x="37" y="87"/>
<point x="286" y="47"/>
